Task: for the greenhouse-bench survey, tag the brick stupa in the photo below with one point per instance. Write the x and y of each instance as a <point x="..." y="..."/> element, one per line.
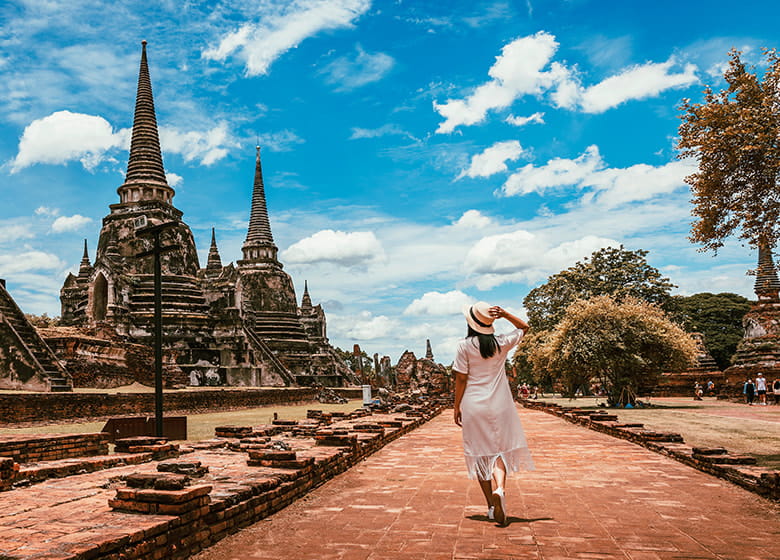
<point x="236" y="324"/>
<point x="759" y="349"/>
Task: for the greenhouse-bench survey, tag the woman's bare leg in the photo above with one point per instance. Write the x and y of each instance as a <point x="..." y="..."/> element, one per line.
<point x="499" y="473"/>
<point x="487" y="490"/>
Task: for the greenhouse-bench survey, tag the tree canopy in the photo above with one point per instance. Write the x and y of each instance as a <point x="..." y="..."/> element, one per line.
<point x="611" y="271"/>
<point x="717" y="316"/>
<point x="624" y="345"/>
<point x="735" y="136"/>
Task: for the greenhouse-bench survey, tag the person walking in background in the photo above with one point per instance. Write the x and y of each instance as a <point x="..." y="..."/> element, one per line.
<point x="493" y="439"/>
<point x="776" y="390"/>
<point x="761" y="388"/>
<point x="749" y="390"/>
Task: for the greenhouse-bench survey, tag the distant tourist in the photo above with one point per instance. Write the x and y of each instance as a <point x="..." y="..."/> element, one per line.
<point x="749" y="390"/>
<point x="761" y="388"/>
<point x="710" y="387"/>
<point x="697" y="391"/>
<point x="776" y="390"/>
<point x="493" y="439"/>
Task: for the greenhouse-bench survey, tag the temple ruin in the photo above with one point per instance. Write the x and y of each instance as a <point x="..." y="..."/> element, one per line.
<point x="238" y="324"/>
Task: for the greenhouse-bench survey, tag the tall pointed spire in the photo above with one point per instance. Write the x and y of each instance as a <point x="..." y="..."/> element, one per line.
<point x="85" y="268"/>
<point x="428" y="350"/>
<point x="767" y="284"/>
<point x="145" y="179"/>
<point x="214" y="261"/>
<point x="306" y="300"/>
<point x="259" y="244"/>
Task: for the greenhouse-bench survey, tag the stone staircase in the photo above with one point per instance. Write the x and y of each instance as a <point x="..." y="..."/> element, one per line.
<point x="27" y="337"/>
<point x="181" y="297"/>
<point x="259" y="346"/>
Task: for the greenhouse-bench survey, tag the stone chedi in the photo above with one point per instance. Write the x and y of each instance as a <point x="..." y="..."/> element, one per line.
<point x="236" y="324"/>
<point x="759" y="349"/>
<point x="681" y="384"/>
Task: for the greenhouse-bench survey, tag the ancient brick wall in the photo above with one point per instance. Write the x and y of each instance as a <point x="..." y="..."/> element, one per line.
<point x="37" y="407"/>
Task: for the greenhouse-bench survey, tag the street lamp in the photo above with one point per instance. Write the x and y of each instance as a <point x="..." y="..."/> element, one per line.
<point x="154" y="230"/>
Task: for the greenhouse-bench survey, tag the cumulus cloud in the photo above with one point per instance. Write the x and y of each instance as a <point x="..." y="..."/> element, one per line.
<point x="557" y="172"/>
<point x="437" y="303"/>
<point x="207" y="146"/>
<point x="609" y="187"/>
<point x="30" y="260"/>
<point x="537" y="118"/>
<point x="173" y="179"/>
<point x="283" y="27"/>
<point x="352" y="72"/>
<point x="523" y="256"/>
<point x="493" y="159"/>
<point x="339" y="247"/>
<point x="46" y="211"/>
<point x="526" y="67"/>
<point x="15" y="232"/>
<point x="64" y="136"/>
<point x="69" y="223"/>
<point x="636" y="82"/>
<point x="364" y="326"/>
<point x="472" y="219"/>
<point x="518" y="70"/>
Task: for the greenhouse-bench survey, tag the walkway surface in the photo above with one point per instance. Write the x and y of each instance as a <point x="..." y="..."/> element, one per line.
<point x="591" y="497"/>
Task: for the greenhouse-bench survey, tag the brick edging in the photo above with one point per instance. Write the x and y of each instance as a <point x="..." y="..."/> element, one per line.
<point x="762" y="481"/>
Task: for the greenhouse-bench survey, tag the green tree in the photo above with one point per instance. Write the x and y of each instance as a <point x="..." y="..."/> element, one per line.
<point x="612" y="271"/>
<point x="354" y="364"/>
<point x="42" y="321"/>
<point x="623" y="345"/>
<point x="734" y="135"/>
<point x="717" y="316"/>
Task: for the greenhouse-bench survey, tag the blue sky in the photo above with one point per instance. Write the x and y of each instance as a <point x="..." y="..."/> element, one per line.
<point x="417" y="155"/>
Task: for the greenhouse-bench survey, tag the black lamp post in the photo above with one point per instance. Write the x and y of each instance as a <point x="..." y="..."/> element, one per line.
<point x="157" y="250"/>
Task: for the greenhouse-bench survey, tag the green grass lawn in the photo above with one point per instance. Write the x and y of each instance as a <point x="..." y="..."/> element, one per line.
<point x="753" y="430"/>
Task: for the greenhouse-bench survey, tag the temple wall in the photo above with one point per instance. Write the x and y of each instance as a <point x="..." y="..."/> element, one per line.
<point x="46" y="407"/>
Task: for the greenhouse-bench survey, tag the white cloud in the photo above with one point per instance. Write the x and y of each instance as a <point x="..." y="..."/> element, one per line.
<point x="493" y="159"/>
<point x="64" y="136"/>
<point x="30" y="260"/>
<point x="69" y="223"/>
<point x="557" y="172"/>
<point x="363" y="68"/>
<point x="173" y="179"/>
<point x="473" y="219"/>
<point x="525" y="67"/>
<point x="503" y="253"/>
<point x="363" y="326"/>
<point x="280" y="141"/>
<point x="636" y="82"/>
<point x="46" y="211"/>
<point x="437" y="303"/>
<point x="348" y="249"/>
<point x="609" y="187"/>
<point x="15" y="232"/>
<point x="524" y="256"/>
<point x="208" y="146"/>
<point x="384" y="130"/>
<point x="537" y="118"/>
<point x="518" y="71"/>
<point x="283" y="27"/>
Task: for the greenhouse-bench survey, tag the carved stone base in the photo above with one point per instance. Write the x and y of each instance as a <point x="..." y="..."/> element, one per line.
<point x="759" y="350"/>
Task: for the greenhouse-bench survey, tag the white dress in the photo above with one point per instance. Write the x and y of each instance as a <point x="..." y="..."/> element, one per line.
<point x="491" y="425"/>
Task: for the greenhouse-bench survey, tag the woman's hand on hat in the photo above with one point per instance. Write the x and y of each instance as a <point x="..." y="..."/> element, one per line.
<point x="496" y="312"/>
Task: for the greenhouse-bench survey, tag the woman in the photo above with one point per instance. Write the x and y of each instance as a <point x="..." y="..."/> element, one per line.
<point x="493" y="438"/>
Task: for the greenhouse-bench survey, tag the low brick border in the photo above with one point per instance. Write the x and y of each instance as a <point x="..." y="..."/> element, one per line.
<point x="762" y="481"/>
<point x="227" y="510"/>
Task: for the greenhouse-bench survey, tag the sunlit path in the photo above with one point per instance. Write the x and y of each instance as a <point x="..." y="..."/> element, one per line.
<point x="591" y="496"/>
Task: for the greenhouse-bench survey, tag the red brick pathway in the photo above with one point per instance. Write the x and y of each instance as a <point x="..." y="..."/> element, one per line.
<point x="591" y="497"/>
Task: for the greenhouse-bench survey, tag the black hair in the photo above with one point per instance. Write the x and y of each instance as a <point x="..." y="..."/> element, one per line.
<point x="488" y="345"/>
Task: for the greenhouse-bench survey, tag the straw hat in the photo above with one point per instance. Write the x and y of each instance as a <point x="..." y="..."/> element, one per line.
<point x="478" y="317"/>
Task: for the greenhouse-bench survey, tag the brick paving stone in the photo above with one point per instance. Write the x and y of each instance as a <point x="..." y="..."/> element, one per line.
<point x="591" y="497"/>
